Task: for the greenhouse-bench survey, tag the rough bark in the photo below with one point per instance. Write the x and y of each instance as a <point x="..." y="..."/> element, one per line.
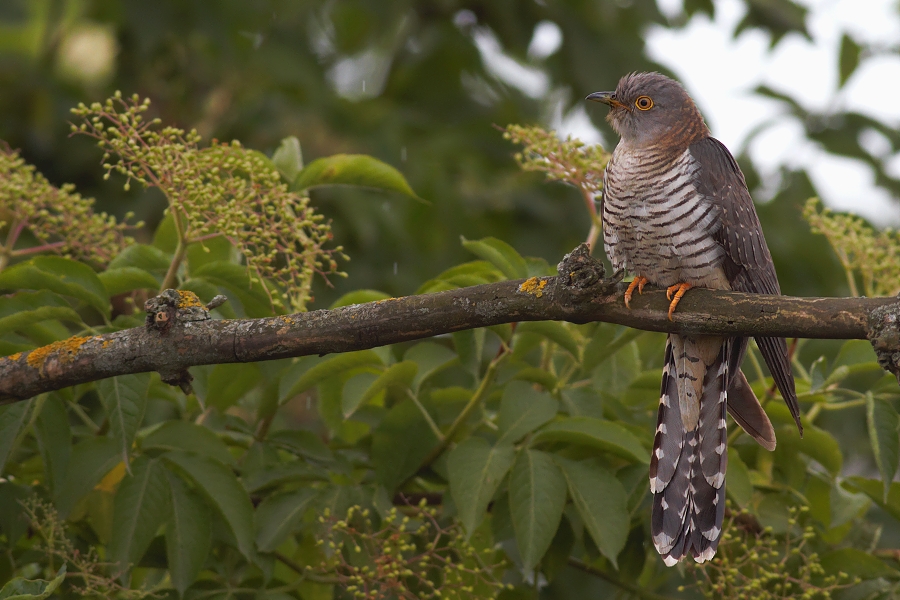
<point x="179" y="333"/>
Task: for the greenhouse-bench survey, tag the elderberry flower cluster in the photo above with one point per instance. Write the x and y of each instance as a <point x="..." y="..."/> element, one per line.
<point x="59" y="219"/>
<point x="409" y="555"/>
<point x="221" y="190"/>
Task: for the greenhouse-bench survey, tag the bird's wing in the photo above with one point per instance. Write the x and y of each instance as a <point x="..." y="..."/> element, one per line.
<point x="748" y="263"/>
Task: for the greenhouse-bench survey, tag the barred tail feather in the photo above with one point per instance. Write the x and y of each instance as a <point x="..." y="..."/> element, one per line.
<point x="687" y="469"/>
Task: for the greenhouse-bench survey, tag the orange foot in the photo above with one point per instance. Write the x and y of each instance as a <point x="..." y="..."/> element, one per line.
<point x="637" y="282"/>
<point x="678" y="290"/>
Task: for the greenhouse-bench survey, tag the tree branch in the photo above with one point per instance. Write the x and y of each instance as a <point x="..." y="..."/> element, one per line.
<point x="180" y="334"/>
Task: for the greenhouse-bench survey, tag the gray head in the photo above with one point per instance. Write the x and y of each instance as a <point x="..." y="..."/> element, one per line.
<point x="649" y="109"/>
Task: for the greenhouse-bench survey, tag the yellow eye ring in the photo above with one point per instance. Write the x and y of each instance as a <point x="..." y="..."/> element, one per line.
<point x="644" y="102"/>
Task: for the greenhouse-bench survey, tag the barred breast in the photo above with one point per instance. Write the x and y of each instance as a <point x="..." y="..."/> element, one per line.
<point x="656" y="224"/>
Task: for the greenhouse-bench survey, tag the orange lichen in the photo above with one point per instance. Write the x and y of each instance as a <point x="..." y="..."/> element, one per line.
<point x="533" y="286"/>
<point x="188" y="299"/>
<point x="64" y="349"/>
<point x="107" y="343"/>
<point x="15" y="357"/>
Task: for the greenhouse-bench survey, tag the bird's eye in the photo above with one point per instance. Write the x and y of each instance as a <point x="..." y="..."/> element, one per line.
<point x="644" y="103"/>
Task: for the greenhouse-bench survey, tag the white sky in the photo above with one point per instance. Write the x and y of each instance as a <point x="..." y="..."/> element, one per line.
<point x="721" y="73"/>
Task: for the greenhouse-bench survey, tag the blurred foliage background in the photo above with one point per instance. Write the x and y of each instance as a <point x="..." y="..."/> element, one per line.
<point x="417" y="85"/>
<point x="414" y="84"/>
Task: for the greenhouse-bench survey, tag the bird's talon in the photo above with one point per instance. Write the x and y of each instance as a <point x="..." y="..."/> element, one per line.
<point x="678" y="290"/>
<point x="637" y="282"/>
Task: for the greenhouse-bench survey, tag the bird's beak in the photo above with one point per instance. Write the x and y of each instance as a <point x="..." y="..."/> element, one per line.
<point x="608" y="98"/>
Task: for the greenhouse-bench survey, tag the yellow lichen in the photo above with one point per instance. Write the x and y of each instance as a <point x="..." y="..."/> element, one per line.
<point x="533" y="286"/>
<point x="65" y="349"/>
<point x="15" y="357"/>
<point x="188" y="299"/>
<point x="107" y="343"/>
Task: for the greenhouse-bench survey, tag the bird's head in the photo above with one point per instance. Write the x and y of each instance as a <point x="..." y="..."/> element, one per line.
<point x="648" y="109"/>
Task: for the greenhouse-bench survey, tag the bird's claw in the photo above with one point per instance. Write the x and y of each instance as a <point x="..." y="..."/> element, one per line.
<point x="637" y="282"/>
<point x="674" y="294"/>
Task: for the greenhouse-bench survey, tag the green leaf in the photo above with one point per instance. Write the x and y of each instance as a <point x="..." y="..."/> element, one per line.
<point x="61" y="275"/>
<point x="849" y="58"/>
<point x="589" y="431"/>
<point x="845" y="505"/>
<point x="296" y="472"/>
<point x="144" y="257"/>
<point x="141" y="507"/>
<point x="817" y="444"/>
<point x="13" y="417"/>
<point x="125" y="279"/>
<point x="22" y="320"/>
<point x="222" y="491"/>
<point x="354" y="393"/>
<point x="51" y="428"/>
<point x="471" y="273"/>
<point x="326" y="369"/>
<point x="90" y="461"/>
<point x="235" y="279"/>
<point x="216" y="249"/>
<point x="602" y="503"/>
<point x="32" y="589"/>
<point x="288" y="158"/>
<point x="184" y="435"/>
<point x="188" y="534"/>
<point x="856" y="563"/>
<point x="537" y="496"/>
<point x="883" y="424"/>
<point x="500" y="254"/>
<point x="854" y="352"/>
<point x="430" y="359"/>
<point x="359" y="297"/>
<point x="304" y="443"/>
<point x="522" y="410"/>
<point x="353" y="169"/>
<point x="739" y="488"/>
<point x="400" y="443"/>
<point x="476" y="470"/>
<point x="399" y="374"/>
<point x="125" y="399"/>
<point x="228" y="383"/>
<point x="279" y="515"/>
<point x="554" y="331"/>
<point x="13" y="522"/>
<point x="469" y="345"/>
<point x="873" y="489"/>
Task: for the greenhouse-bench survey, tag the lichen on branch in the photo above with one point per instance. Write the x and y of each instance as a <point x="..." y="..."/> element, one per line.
<point x="223" y="189"/>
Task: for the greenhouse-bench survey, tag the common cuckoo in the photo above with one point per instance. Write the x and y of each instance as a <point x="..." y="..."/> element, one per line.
<point x="677" y="213"/>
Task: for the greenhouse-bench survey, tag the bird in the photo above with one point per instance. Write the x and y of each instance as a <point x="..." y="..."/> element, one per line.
<point x="677" y="213"/>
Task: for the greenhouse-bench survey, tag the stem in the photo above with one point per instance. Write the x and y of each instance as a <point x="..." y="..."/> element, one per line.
<point x="633" y="589"/>
<point x="15" y="228"/>
<point x="848" y="270"/>
<point x="596" y="223"/>
<point x="306" y="574"/>
<point x="477" y="398"/>
<point x="171" y="278"/>
<point x="434" y="428"/>
<point x="36" y="249"/>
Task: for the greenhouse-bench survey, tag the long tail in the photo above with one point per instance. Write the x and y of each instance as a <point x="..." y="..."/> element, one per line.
<point x="687" y="467"/>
